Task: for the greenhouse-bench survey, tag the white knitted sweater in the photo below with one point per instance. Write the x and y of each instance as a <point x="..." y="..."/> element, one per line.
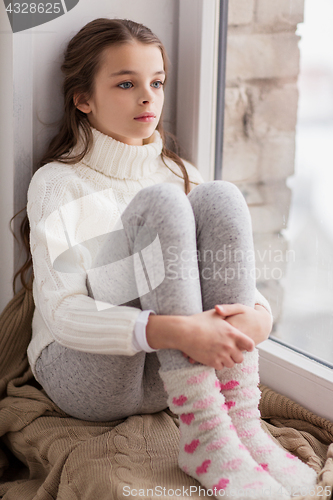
<point x="69" y="204"/>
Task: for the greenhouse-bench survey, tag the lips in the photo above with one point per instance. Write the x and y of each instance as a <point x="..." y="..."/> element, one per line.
<point x="146" y="117"/>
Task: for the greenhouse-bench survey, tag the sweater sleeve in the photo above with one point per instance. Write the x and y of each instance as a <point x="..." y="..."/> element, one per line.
<point x="262" y="301"/>
<point x="140" y="336"/>
<point x="61" y="297"/>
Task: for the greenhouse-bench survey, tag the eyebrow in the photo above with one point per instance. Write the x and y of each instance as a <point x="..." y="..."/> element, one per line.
<point x="129" y="72"/>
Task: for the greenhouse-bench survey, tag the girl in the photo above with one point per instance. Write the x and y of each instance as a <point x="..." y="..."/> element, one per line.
<point x="144" y="290"/>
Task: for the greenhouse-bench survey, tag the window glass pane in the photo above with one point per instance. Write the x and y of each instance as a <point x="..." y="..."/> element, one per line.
<point x="307" y="317"/>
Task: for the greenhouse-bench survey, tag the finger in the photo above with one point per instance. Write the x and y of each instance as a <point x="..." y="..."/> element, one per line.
<point x="219" y="309"/>
<point x="245" y="343"/>
<point x="228" y="362"/>
<point x="229" y="309"/>
<point x="237" y="356"/>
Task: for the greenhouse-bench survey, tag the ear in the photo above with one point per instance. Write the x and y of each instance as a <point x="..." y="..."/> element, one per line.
<point x="81" y="102"/>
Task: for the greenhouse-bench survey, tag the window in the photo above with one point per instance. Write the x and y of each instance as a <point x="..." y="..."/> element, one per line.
<point x="307" y="317"/>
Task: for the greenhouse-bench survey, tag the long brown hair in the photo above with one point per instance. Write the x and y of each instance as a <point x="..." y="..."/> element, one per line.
<point x="82" y="61"/>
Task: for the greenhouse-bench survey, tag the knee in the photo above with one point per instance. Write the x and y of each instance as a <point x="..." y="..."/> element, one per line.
<point x="218" y="189"/>
<point x="218" y="186"/>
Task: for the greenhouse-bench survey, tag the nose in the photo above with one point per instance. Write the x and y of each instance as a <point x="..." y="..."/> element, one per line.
<point x="147" y="96"/>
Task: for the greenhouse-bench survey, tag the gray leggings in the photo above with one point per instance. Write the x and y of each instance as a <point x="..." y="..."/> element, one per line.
<point x="207" y="248"/>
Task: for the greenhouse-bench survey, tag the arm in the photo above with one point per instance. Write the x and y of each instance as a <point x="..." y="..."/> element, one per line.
<point x="204" y="337"/>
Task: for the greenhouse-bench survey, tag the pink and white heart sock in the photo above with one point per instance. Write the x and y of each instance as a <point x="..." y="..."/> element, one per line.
<point x="239" y="385"/>
<point x="209" y="449"/>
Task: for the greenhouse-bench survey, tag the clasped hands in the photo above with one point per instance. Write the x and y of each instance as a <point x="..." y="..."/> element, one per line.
<point x="244" y="327"/>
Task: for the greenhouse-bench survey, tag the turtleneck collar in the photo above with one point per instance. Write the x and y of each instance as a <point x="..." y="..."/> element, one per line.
<point x="122" y="161"/>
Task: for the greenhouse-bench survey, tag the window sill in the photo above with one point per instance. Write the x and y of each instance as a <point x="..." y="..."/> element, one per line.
<point x="294" y="375"/>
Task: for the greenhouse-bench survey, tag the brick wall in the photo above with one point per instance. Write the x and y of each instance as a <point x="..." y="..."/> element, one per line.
<point x="260" y="122"/>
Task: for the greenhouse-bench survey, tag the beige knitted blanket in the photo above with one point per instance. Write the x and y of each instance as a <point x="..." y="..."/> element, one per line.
<point x="45" y="454"/>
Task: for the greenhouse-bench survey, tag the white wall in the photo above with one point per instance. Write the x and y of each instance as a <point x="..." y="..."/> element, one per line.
<point x="6" y="157"/>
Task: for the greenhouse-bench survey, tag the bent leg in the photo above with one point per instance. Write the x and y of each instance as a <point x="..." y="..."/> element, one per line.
<point x="227" y="270"/>
<point x="225" y="244"/>
<point x="210" y="449"/>
<point x="93" y="387"/>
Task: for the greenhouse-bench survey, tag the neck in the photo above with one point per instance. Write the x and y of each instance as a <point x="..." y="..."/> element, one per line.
<point x="123" y="161"/>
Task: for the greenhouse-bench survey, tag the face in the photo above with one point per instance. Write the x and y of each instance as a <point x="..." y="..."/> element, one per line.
<point x="128" y="94"/>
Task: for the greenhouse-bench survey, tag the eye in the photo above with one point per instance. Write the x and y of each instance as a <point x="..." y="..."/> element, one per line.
<point x="158" y="84"/>
<point x="125" y="85"/>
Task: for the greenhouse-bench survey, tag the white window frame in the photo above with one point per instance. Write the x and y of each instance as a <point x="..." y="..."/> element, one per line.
<point x="298" y="377"/>
<point x="197" y="82"/>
